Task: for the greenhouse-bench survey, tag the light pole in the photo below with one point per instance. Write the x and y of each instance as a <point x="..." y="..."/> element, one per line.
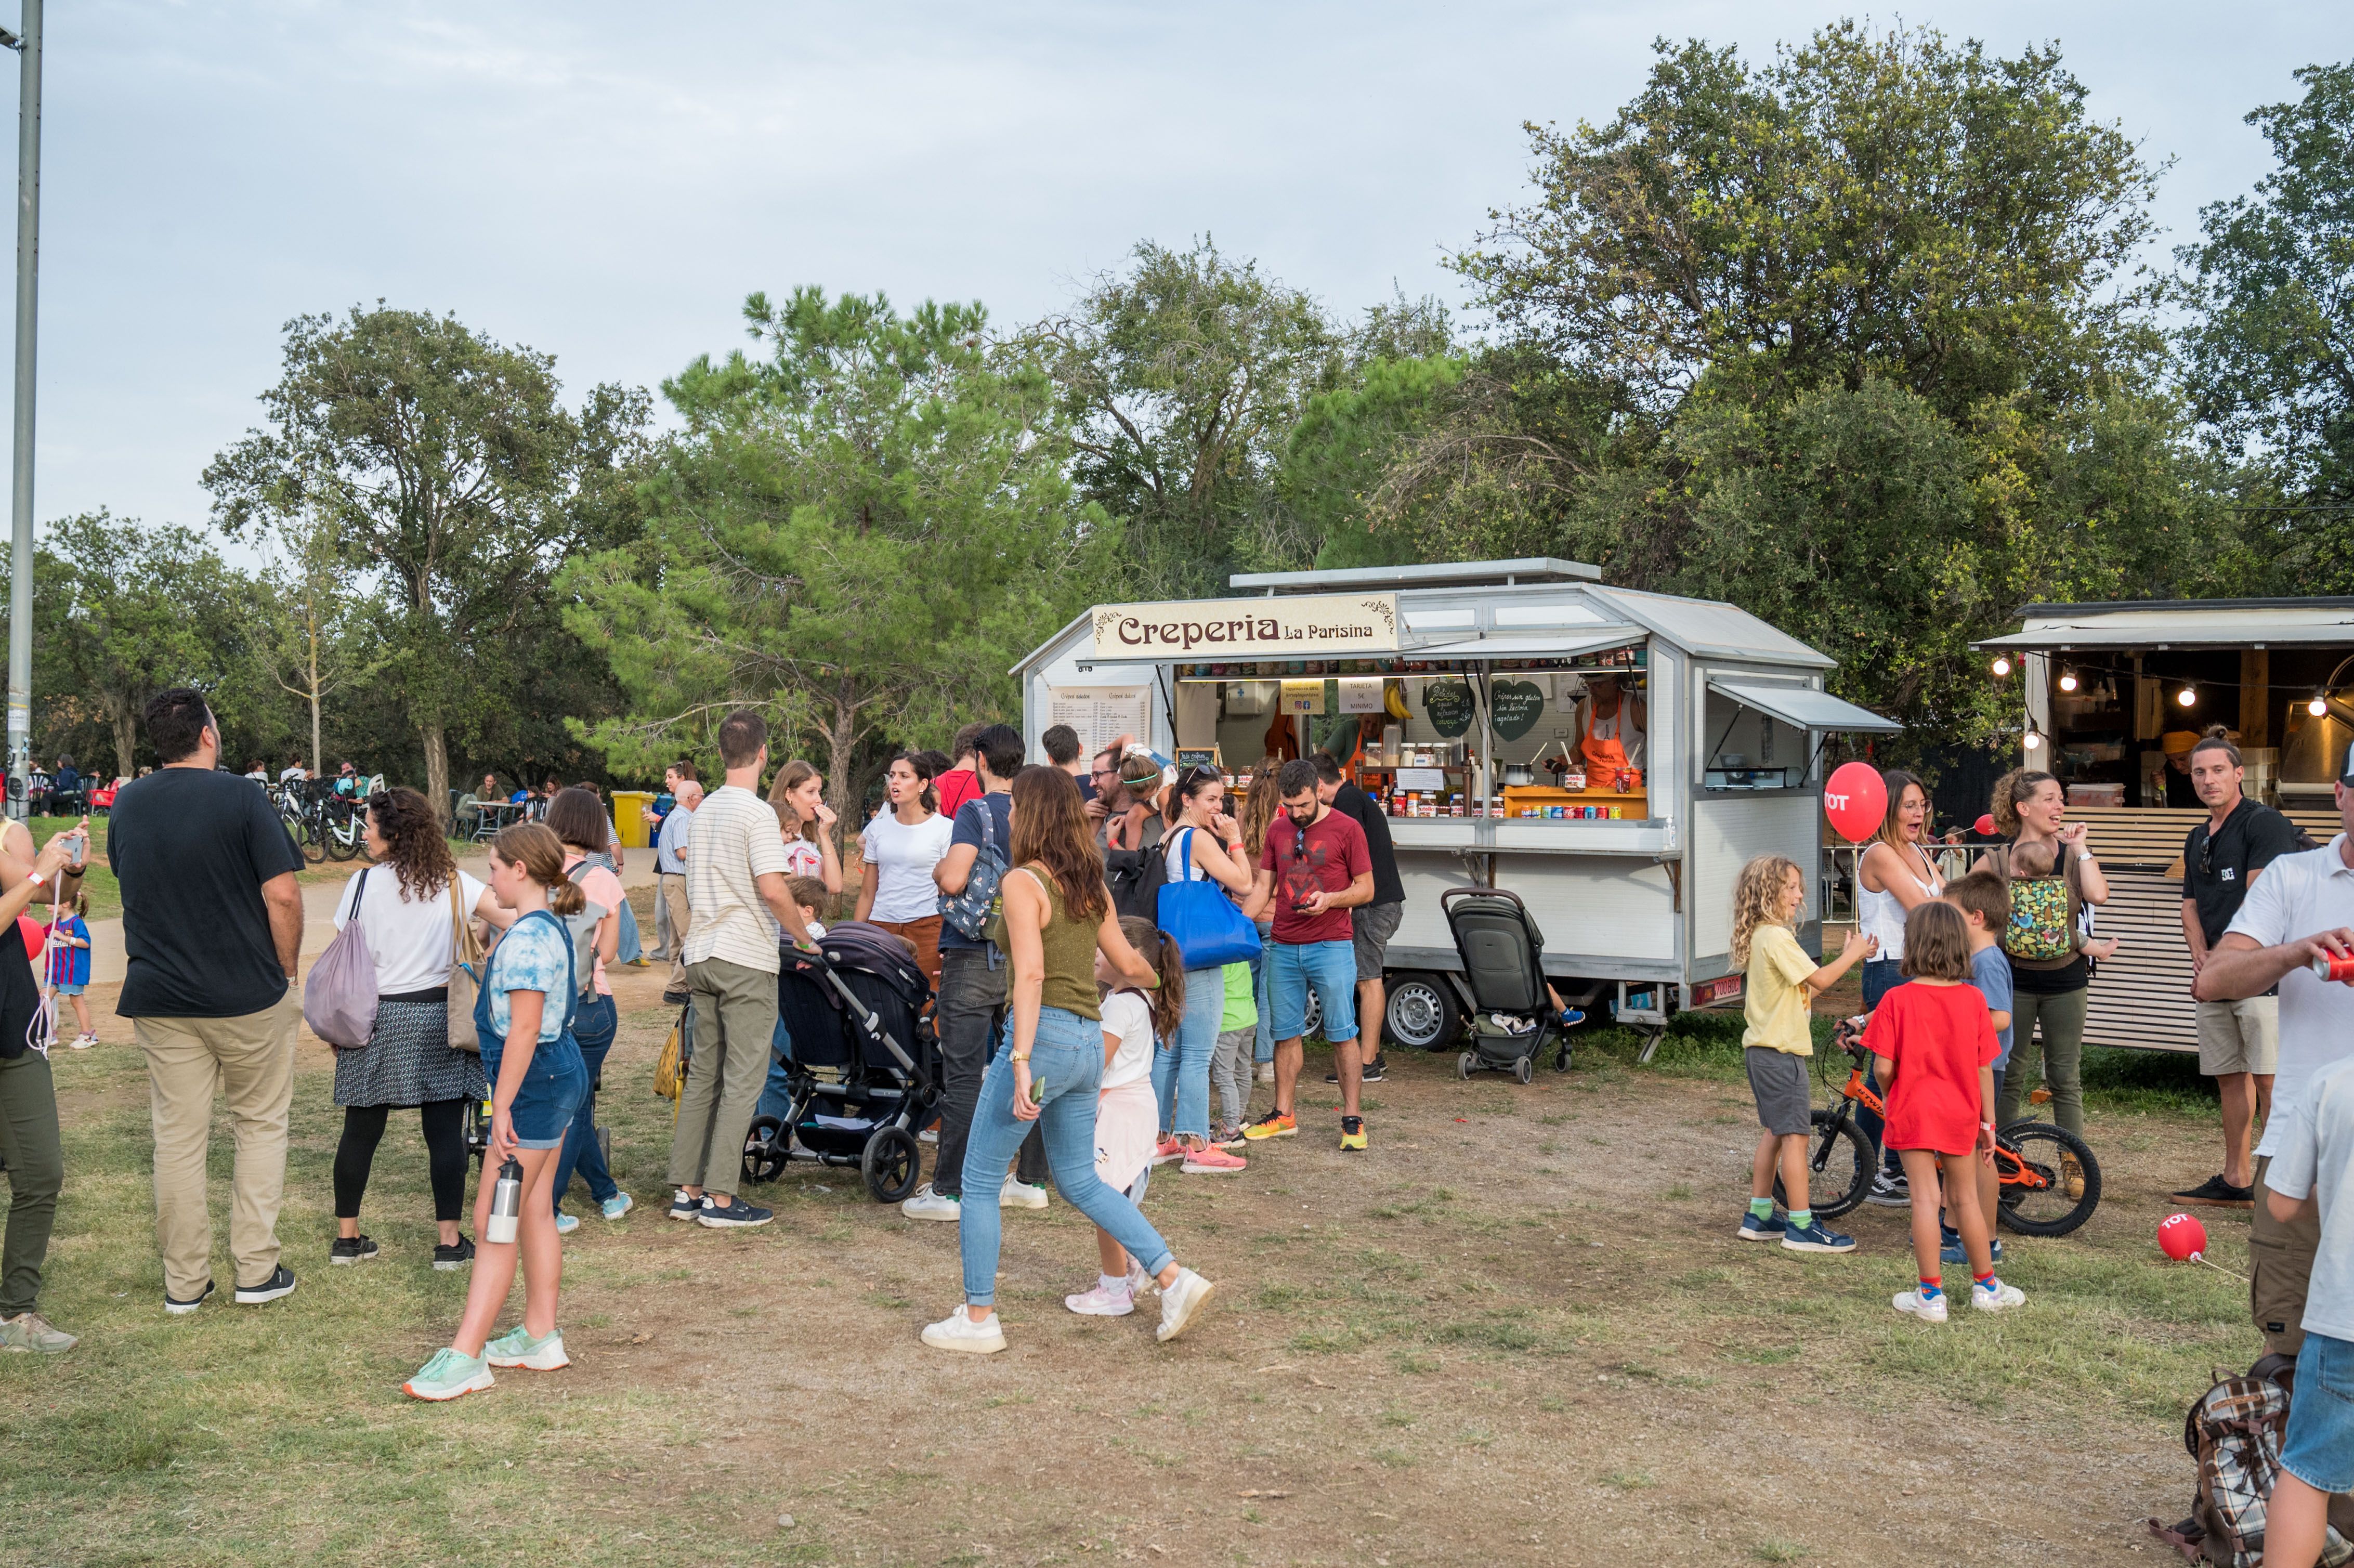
<point x="28" y="265"/>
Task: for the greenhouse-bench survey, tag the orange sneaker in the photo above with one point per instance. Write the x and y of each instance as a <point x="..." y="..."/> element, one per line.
<point x="1211" y="1160"/>
<point x="1167" y="1151"/>
<point x="1273" y="1124"/>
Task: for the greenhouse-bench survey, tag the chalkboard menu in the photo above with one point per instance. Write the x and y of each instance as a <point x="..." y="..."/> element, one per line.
<point x="1449" y="705"/>
<point x="1514" y="707"/>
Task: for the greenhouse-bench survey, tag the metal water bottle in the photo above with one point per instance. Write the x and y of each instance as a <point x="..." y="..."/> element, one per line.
<point x="506" y="1204"/>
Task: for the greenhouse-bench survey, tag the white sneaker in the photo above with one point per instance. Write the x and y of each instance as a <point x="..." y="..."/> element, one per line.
<point x="1020" y="1195"/>
<point x="1928" y="1309"/>
<point x="84" y="1042"/>
<point x="928" y="1205"/>
<point x="929" y="1135"/>
<point x="2000" y="1298"/>
<point x="1181" y="1303"/>
<point x="1098" y="1302"/>
<point x="1139" y="1284"/>
<point x="1267" y="1071"/>
<point x="959" y="1332"/>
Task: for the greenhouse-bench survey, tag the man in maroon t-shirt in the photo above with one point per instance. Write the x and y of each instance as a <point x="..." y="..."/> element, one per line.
<point x="1313" y="869"/>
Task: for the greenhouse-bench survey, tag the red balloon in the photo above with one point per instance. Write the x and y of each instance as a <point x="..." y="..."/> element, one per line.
<point x="2181" y="1236"/>
<point x="1984" y="827"/>
<point x="1855" y="801"/>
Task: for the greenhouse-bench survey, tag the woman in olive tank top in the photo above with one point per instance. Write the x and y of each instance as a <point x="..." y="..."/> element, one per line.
<point x="1055" y="912"/>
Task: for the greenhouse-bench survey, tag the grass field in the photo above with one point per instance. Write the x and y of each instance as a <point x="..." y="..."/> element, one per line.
<point x="1516" y="1331"/>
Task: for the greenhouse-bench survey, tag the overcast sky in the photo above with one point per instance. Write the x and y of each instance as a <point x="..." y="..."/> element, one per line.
<point x="606" y="183"/>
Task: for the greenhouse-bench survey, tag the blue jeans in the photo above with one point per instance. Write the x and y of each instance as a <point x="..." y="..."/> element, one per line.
<point x="1067" y="1068"/>
<point x="581" y="1152"/>
<point x="1331" y="969"/>
<point x="776" y="1096"/>
<point x="1181" y="1073"/>
<point x="1265" y="1049"/>
<point x="1881" y="976"/>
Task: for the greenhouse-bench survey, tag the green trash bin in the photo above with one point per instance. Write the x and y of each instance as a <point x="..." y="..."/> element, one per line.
<point x="629" y="807"/>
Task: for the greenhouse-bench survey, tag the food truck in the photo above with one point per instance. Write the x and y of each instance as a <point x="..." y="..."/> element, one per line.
<point x="2110" y="698"/>
<point x="1494" y="702"/>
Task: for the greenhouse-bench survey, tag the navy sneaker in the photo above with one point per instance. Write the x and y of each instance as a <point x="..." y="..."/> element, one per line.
<point x="683" y="1207"/>
<point x="1953" y="1251"/>
<point x="738" y="1215"/>
<point x="179" y="1309"/>
<point x="1770" y="1228"/>
<point x="1813" y="1238"/>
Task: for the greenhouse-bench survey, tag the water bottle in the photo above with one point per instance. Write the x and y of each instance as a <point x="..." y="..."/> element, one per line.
<point x="506" y="1204"/>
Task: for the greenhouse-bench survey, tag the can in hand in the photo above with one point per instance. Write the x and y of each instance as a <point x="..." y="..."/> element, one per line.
<point x="2334" y="968"/>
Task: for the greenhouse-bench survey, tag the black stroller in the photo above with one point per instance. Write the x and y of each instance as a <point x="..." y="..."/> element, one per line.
<point x="1502" y="950"/>
<point x="864" y="1074"/>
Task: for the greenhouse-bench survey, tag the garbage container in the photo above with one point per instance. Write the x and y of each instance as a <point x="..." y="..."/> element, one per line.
<point x="630" y="816"/>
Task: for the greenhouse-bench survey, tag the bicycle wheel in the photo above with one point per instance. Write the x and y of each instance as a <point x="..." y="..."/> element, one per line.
<point x="307" y="839"/>
<point x="2032" y="1197"/>
<point x="1840" y="1162"/>
<point x="343" y="839"/>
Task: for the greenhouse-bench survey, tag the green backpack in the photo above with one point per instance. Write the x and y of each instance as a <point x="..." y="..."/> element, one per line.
<point x="2040" y="930"/>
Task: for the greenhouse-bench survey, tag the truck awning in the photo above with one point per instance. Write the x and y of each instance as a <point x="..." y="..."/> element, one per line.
<point x="1562" y="644"/>
<point x="1803" y="706"/>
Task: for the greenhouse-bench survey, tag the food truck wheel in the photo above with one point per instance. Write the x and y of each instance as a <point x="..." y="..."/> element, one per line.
<point x="1421" y="1013"/>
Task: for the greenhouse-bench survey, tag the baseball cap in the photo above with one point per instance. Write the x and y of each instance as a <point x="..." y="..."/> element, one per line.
<point x="2346" y="770"/>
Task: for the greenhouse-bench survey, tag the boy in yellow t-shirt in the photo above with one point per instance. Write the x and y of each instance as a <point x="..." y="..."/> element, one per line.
<point x="1777" y="999"/>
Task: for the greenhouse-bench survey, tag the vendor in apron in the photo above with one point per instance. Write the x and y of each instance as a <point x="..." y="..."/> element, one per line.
<point x="1611" y="710"/>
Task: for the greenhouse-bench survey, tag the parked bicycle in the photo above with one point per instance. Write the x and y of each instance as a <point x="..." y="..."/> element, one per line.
<point x="2047" y="1182"/>
<point x="324" y="824"/>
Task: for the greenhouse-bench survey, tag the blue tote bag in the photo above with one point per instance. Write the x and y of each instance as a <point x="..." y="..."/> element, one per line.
<point x="1210" y="932"/>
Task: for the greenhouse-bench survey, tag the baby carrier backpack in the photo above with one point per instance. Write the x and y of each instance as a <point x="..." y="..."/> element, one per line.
<point x="2040" y="927"/>
<point x="2234" y="1432"/>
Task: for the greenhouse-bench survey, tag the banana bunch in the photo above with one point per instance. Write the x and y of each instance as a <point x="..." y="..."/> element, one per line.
<point x="1393" y="698"/>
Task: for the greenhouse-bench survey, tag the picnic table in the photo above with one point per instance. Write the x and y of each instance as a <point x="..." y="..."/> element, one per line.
<point x="489" y="816"/>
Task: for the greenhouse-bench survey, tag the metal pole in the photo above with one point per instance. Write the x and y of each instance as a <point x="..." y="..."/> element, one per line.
<point x="28" y="261"/>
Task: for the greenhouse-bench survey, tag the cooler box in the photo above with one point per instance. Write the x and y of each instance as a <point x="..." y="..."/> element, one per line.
<point x="629" y="807"/>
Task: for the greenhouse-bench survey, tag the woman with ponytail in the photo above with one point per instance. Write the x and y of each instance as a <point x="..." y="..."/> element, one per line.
<point x="900" y="847"/>
<point x="523" y="1021"/>
<point x="1126" y="1110"/>
<point x="1057" y="917"/>
<point x="2049" y="995"/>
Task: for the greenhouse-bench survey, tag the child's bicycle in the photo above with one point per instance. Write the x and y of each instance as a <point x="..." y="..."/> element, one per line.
<point x="2047" y="1182"/>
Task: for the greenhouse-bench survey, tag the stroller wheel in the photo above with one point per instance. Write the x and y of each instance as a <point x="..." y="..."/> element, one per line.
<point x="890" y="1164"/>
<point x="1524" y="1069"/>
<point x="1561" y="1062"/>
<point x="1465" y="1063"/>
<point x="765" y="1148"/>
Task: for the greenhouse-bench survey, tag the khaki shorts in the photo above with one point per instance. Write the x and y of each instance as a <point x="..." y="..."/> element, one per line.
<point x="2280" y="1267"/>
<point x="2241" y="1036"/>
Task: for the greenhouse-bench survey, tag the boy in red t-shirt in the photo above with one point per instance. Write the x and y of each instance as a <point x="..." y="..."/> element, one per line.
<point x="1933" y="1050"/>
<point x="1312" y="870"/>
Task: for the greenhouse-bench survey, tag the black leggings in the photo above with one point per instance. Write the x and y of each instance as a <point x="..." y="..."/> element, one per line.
<point x="445" y="1148"/>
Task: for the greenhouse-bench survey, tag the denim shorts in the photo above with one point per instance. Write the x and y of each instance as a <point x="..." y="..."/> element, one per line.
<point x="2319" y="1448"/>
<point x="1331" y="969"/>
<point x="550" y="1095"/>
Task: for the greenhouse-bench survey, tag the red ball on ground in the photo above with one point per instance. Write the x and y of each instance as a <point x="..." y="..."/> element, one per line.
<point x="2181" y="1236"/>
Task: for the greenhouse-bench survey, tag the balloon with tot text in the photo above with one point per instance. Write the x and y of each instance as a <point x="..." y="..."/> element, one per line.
<point x="2181" y="1237"/>
<point x="1855" y="801"/>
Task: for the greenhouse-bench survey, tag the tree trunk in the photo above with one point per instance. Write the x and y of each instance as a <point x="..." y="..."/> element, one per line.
<point x="437" y="771"/>
<point x="125" y="721"/>
<point x="318" y="764"/>
<point x="840" y="749"/>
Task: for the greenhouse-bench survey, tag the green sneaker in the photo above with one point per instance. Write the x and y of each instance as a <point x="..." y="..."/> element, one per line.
<point x="31" y="1331"/>
<point x="516" y="1348"/>
<point x="448" y="1375"/>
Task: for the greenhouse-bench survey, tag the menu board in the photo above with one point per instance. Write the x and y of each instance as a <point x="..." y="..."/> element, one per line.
<point x="1101" y="714"/>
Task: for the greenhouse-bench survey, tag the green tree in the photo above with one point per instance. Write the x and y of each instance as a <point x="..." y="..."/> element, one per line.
<point x="120" y="612"/>
<point x="2268" y="360"/>
<point x="445" y="463"/>
<point x="317" y="631"/>
<point x="1179" y="381"/>
<point x="858" y="532"/>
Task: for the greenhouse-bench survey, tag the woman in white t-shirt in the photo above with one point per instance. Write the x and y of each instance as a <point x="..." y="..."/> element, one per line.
<point x="1127" y="1113"/>
<point x="407" y="908"/>
<point x="899" y="848"/>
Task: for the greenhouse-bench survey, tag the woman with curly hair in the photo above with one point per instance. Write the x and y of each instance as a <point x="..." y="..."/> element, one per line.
<point x="2049" y="995"/>
<point x="407" y="907"/>
<point x="1057" y="915"/>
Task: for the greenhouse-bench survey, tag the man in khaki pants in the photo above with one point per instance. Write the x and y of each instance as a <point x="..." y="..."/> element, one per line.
<point x="212" y="925"/>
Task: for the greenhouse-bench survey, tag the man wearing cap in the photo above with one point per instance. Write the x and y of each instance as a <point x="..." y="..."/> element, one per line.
<point x="2299" y="911"/>
<point x="2177" y="745"/>
<point x="2239" y="1039"/>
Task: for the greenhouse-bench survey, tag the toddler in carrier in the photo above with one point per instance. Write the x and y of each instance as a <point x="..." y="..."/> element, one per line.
<point x="2039" y="927"/>
<point x="1128" y="1114"/>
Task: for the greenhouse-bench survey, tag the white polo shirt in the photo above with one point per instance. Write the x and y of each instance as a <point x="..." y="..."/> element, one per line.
<point x="2302" y="895"/>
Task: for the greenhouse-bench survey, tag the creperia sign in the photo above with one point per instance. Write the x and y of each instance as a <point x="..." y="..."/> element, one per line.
<point x="1248" y="628"/>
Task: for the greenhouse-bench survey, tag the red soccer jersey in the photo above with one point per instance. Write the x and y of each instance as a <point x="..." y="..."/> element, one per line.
<point x="1940" y="1037"/>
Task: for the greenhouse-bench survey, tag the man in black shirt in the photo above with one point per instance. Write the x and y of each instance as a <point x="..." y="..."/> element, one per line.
<point x="2239" y="1041"/>
<point x="1372" y="925"/>
<point x="212" y="927"/>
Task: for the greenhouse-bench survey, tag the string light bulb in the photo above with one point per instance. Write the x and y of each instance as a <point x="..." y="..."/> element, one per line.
<point x="2318" y="707"/>
<point x="2002" y="665"/>
<point x="2188" y="696"/>
<point x="2031" y="739"/>
<point x="2067" y="680"/>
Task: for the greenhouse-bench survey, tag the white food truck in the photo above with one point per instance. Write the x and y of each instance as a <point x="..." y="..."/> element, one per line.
<point x="1477" y="686"/>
